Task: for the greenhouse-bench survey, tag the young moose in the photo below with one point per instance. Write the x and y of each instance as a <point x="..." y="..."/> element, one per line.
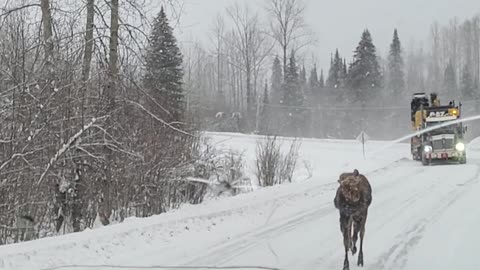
<point x="354" y="196"/>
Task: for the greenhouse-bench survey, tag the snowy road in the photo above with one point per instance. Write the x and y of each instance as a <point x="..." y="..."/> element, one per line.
<point x="420" y="218"/>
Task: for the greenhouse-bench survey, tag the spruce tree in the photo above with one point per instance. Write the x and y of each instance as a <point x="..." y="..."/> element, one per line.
<point x="293" y="98"/>
<point x="313" y="81"/>
<point x="321" y="81"/>
<point x="336" y="74"/>
<point x="364" y="76"/>
<point x="396" y="75"/>
<point x="292" y="95"/>
<point x="163" y="69"/>
<point x="277" y="81"/>
<point x="467" y="84"/>
<point x="303" y="79"/>
<point x="264" y="113"/>
<point x="450" y="80"/>
<point x="265" y="95"/>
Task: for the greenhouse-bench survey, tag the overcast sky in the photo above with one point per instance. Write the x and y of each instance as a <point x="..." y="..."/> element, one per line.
<point x="339" y="23"/>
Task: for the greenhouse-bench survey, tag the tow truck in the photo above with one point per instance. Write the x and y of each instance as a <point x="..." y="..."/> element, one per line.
<point x="445" y="143"/>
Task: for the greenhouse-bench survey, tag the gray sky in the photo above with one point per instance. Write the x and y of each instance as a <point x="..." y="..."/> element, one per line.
<point x="339" y="23"/>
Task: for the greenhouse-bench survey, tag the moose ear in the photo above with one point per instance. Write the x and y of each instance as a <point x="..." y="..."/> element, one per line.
<point x="355" y="172"/>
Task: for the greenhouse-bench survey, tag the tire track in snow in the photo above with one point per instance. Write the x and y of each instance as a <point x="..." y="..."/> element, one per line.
<point x="244" y="242"/>
<point x="396" y="256"/>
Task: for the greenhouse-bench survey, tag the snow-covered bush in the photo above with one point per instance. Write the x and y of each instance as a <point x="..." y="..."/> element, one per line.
<point x="272" y="166"/>
<point x="224" y="171"/>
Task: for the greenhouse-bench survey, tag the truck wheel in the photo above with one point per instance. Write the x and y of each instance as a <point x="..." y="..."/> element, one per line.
<point x="463" y="160"/>
<point x="426" y="161"/>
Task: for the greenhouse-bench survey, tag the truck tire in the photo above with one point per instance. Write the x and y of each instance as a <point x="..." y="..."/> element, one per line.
<point x="425" y="161"/>
<point x="463" y="160"/>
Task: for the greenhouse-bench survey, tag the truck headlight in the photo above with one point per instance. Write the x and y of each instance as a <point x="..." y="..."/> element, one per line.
<point x="427" y="149"/>
<point x="460" y="147"/>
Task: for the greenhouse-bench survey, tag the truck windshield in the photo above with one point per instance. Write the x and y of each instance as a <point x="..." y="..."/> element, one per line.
<point x="443" y="130"/>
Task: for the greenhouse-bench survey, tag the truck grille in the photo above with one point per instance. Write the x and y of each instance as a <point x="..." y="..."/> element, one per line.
<point x="443" y="144"/>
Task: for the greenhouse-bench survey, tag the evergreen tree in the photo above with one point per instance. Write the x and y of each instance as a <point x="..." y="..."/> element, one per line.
<point x="396" y="75"/>
<point x="336" y="74"/>
<point x="450" y="80"/>
<point x="321" y="81"/>
<point x="293" y="98"/>
<point x="303" y="79"/>
<point x="292" y="95"/>
<point x="313" y="80"/>
<point x="277" y="81"/>
<point x="265" y="95"/>
<point x="467" y="84"/>
<point x="364" y="76"/>
<point x="164" y="74"/>
<point x="264" y="113"/>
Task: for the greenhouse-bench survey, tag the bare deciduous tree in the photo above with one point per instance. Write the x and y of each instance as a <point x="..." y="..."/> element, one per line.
<point x="251" y="43"/>
<point x="288" y="27"/>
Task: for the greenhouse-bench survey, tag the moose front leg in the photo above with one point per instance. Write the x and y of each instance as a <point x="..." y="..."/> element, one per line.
<point x="346" y="225"/>
<point x="356" y="230"/>
<point x="362" y="234"/>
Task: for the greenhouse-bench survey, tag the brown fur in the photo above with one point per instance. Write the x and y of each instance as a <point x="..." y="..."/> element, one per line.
<point x="354" y="196"/>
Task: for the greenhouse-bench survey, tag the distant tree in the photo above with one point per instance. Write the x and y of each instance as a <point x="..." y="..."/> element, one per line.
<point x="415" y="81"/>
<point x="450" y="80"/>
<point x="467" y="84"/>
<point x="336" y="74"/>
<point x="313" y="82"/>
<point x="163" y="68"/>
<point x="321" y="81"/>
<point x="303" y="79"/>
<point x="252" y="45"/>
<point x="364" y="76"/>
<point x="218" y="41"/>
<point x="293" y="98"/>
<point x="288" y="27"/>
<point x="277" y="81"/>
<point x="292" y="95"/>
<point x="265" y="112"/>
<point x="396" y="74"/>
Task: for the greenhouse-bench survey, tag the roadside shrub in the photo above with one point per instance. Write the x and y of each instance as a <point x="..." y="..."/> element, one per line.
<point x="272" y="166"/>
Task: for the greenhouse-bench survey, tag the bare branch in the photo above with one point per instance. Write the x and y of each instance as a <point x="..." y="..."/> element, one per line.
<point x="7" y="12"/>
<point x="67" y="146"/>
<point x="159" y="119"/>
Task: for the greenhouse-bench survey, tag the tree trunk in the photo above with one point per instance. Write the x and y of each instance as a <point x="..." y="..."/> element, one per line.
<point x="78" y="201"/>
<point x="106" y="200"/>
<point x="284" y="48"/>
<point x="250" y="114"/>
<point x="49" y="77"/>
<point x="87" y="56"/>
<point x="113" y="54"/>
<point x="47" y="38"/>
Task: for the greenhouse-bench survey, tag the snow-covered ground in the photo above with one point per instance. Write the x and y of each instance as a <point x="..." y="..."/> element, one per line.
<point x="420" y="218"/>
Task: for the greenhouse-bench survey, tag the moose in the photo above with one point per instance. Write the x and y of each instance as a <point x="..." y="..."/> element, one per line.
<point x="353" y="197"/>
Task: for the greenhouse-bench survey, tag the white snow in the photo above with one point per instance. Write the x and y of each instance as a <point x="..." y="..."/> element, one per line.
<point x="420" y="218"/>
